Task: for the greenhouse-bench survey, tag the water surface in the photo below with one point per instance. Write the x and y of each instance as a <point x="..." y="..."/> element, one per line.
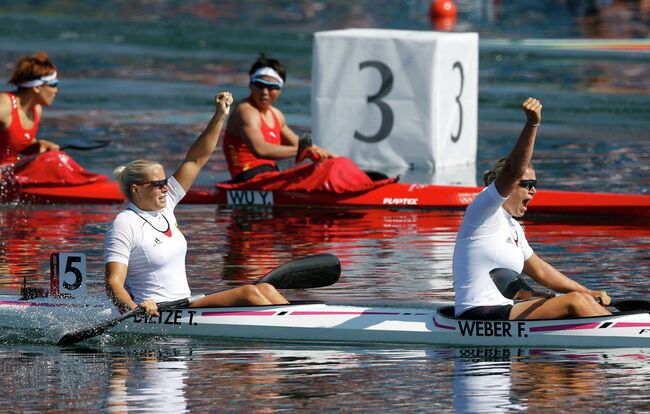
<point x="143" y="74"/>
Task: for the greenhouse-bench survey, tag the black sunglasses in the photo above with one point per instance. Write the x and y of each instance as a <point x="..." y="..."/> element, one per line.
<point x="53" y="83"/>
<point x="155" y="183"/>
<point x="272" y="86"/>
<point x="528" y="184"/>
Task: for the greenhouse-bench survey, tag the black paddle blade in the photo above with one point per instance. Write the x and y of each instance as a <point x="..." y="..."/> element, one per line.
<point x="91" y="332"/>
<point x="509" y="282"/>
<point x="79" y="144"/>
<point x="313" y="271"/>
<point x="631" y="305"/>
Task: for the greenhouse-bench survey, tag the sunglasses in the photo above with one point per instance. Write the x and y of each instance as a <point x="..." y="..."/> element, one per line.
<point x="528" y="184"/>
<point x="156" y="184"/>
<point x="261" y="84"/>
<point x="53" y="83"/>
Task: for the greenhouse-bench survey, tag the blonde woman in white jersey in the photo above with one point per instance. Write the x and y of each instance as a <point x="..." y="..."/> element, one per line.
<point x="490" y="238"/>
<point x="144" y="250"/>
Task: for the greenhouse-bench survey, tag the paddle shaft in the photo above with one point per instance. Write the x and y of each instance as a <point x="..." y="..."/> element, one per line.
<point x="82" y="335"/>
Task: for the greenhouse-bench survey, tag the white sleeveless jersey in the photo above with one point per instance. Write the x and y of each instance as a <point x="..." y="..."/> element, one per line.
<point x="488" y="238"/>
<point x="155" y="260"/>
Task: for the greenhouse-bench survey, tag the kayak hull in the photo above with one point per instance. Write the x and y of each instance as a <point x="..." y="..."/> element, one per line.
<point x="401" y="195"/>
<point x="107" y="192"/>
<point x="393" y="196"/>
<point x="332" y="323"/>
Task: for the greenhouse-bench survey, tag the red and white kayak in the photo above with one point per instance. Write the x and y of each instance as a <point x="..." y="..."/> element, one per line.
<point x="331" y="323"/>
<point x="395" y="195"/>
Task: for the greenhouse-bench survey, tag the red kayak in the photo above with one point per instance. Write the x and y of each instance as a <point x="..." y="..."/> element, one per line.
<point x="402" y="195"/>
<point x="395" y="195"/>
<point x="105" y="192"/>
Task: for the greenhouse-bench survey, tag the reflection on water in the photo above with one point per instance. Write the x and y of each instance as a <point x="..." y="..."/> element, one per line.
<point x="375" y="245"/>
<point x="385" y="254"/>
<point x="30" y="235"/>
<point x="179" y="375"/>
<point x="147" y="379"/>
<point x="150" y="87"/>
<point x="506" y="379"/>
<point x="482" y="381"/>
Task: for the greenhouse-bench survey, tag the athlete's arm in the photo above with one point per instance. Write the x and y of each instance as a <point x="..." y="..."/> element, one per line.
<point x="251" y="129"/>
<point x="5" y="111"/>
<point x="547" y="275"/>
<point x="520" y="156"/>
<point x="289" y="137"/>
<point x="115" y="278"/>
<point x="321" y="154"/>
<point x="201" y="150"/>
<point x="41" y="145"/>
<point x="45" y="145"/>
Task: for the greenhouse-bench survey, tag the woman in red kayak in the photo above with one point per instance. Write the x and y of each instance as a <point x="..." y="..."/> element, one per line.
<point x="257" y="135"/>
<point x="490" y="238"/>
<point x="36" y="81"/>
<point x="144" y="248"/>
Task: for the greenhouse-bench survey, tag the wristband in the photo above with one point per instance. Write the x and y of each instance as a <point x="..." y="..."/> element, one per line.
<point x="533" y="125"/>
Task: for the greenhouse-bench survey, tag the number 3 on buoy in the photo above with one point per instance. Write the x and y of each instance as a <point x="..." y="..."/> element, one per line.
<point x="397" y="100"/>
<point x="68" y="274"/>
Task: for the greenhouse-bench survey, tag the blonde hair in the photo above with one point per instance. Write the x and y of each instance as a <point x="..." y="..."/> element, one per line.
<point x="134" y="172"/>
<point x="490" y="175"/>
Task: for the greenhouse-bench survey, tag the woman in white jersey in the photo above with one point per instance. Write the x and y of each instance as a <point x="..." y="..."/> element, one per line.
<point x="490" y="238"/>
<point x="144" y="249"/>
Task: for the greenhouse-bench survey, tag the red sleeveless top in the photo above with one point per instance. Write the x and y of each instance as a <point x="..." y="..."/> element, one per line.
<point x="15" y="138"/>
<point x="239" y="156"/>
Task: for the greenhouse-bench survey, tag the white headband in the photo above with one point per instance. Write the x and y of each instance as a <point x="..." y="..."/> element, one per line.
<point x="38" y="82"/>
<point x="267" y="71"/>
